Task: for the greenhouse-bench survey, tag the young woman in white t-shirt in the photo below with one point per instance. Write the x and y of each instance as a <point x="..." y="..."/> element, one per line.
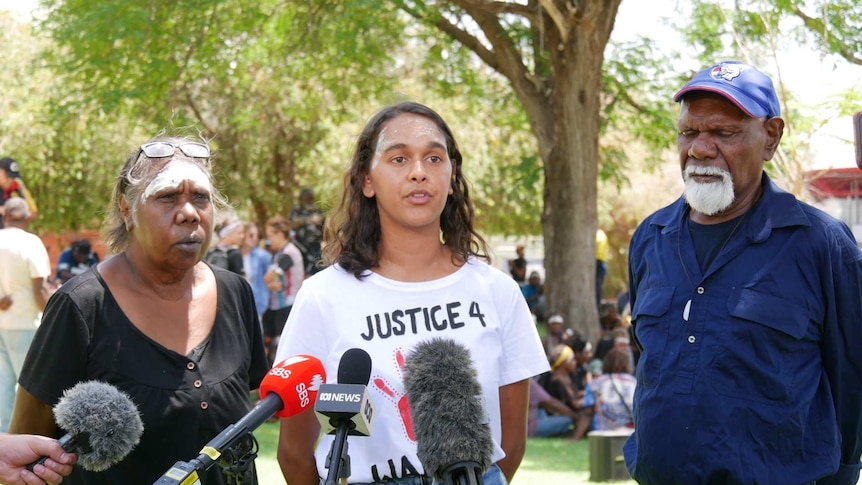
<point x="408" y="266"/>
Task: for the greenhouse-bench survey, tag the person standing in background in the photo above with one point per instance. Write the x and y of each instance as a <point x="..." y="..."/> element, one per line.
<point x="307" y="220"/>
<point x="226" y="253"/>
<point x="534" y="295"/>
<point x="255" y="262"/>
<point x="518" y="265"/>
<point x="24" y="268"/>
<point x="283" y="277"/>
<point x="747" y="305"/>
<point x="12" y="185"/>
<point x="602" y="252"/>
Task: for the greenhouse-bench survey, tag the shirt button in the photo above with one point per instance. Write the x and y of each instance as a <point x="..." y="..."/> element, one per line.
<point x="204" y="405"/>
<point x="691" y="339"/>
<point x="198" y="383"/>
<point x="190" y="366"/>
<point x="700" y="290"/>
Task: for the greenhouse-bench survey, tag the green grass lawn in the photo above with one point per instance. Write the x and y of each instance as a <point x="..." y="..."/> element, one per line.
<point x="546" y="461"/>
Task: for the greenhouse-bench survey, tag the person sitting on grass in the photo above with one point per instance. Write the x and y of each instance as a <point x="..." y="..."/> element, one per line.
<point x="547" y="415"/>
<point x="611" y="394"/>
<point x="561" y="386"/>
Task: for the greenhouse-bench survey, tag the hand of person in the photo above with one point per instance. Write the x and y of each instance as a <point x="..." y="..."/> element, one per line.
<point x="17" y="451"/>
<point x="273" y="280"/>
<point x="5" y="302"/>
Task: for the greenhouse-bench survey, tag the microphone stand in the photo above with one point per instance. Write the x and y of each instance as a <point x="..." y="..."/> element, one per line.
<point x="463" y="473"/>
<point x="338" y="461"/>
<point x="237" y="462"/>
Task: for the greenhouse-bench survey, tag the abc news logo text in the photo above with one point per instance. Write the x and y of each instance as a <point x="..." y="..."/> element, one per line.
<point x="340" y="397"/>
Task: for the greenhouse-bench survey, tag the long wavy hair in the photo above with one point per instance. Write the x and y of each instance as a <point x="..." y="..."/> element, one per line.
<point x="138" y="171"/>
<point x="352" y="234"/>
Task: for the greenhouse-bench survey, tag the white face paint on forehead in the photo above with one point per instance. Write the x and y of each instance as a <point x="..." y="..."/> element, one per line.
<point x="173" y="175"/>
<point x="419" y="125"/>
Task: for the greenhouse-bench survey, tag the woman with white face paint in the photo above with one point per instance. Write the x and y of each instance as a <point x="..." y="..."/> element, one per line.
<point x="180" y="337"/>
<point x="407" y="267"/>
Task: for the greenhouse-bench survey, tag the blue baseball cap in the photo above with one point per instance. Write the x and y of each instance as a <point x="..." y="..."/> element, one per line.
<point x="746" y="86"/>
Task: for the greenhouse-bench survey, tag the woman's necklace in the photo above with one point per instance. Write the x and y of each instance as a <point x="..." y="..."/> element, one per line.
<point x="687" y="308"/>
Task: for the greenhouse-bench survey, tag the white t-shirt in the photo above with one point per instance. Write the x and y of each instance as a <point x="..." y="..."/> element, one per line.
<point x="22" y="258"/>
<point x="478" y="306"/>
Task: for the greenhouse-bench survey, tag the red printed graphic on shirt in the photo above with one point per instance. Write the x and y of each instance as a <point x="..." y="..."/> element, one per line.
<point x="397" y="396"/>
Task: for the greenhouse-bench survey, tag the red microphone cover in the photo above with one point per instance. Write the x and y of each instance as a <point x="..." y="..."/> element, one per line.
<point x="296" y="381"/>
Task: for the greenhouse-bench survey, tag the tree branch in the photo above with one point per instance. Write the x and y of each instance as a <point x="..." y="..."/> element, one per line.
<point x="509" y="61"/>
<point x="558" y="18"/>
<point x="817" y="26"/>
<point x="469" y="41"/>
<point x="511" y="8"/>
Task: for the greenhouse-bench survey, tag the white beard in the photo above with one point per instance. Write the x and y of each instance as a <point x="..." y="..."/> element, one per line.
<point x="708" y="198"/>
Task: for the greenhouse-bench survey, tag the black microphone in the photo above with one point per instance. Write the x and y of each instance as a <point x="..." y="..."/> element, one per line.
<point x="102" y="425"/>
<point x="453" y="437"/>
<point x="344" y="409"/>
<point x="287" y="389"/>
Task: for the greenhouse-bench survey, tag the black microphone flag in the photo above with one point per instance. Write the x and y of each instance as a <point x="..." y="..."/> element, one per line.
<point x="102" y="422"/>
<point x="453" y="437"/>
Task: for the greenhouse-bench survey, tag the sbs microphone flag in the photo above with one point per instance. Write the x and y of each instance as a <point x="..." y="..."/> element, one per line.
<point x="287" y="389"/>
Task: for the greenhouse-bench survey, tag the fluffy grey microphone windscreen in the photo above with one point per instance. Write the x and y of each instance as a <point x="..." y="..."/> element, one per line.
<point x="446" y="404"/>
<point x="104" y="421"/>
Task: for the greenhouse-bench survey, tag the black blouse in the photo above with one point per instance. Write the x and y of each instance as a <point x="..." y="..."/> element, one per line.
<point x="184" y="400"/>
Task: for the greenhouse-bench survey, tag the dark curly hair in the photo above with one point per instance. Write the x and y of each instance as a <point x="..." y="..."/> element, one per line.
<point x="352" y="234"/>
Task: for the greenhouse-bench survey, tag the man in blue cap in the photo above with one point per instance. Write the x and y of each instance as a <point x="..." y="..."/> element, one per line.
<point x="747" y="307"/>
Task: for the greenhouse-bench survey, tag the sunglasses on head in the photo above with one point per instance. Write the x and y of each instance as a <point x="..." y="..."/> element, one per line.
<point x="161" y="149"/>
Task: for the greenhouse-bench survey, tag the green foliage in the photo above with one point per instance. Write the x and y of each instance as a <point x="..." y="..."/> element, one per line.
<point x="637" y="92"/>
<point x="264" y="81"/>
<point x="278" y="88"/>
<point x="281" y="88"/>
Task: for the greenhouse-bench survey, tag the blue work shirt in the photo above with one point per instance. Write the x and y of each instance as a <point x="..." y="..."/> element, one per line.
<point x="763" y="382"/>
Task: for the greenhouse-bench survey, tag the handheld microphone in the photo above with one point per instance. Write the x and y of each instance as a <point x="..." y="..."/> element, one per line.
<point x="102" y="425"/>
<point x="287" y="389"/>
<point x="453" y="437"/>
<point x="344" y="409"/>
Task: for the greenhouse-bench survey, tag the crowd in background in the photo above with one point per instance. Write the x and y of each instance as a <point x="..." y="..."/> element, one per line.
<point x="591" y="384"/>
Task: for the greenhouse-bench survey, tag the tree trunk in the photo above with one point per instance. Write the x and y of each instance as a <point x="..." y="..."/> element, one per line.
<point x="570" y="158"/>
<point x="569" y="219"/>
<point x="562" y="100"/>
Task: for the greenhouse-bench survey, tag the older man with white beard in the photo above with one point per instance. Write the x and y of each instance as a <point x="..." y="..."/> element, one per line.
<point x="747" y="305"/>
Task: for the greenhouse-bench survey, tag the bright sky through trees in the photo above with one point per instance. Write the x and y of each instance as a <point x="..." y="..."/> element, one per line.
<point x="809" y="78"/>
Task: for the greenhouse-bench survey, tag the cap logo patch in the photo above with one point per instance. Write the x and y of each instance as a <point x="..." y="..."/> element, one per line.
<point x="13" y="167"/>
<point x="726" y="72"/>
